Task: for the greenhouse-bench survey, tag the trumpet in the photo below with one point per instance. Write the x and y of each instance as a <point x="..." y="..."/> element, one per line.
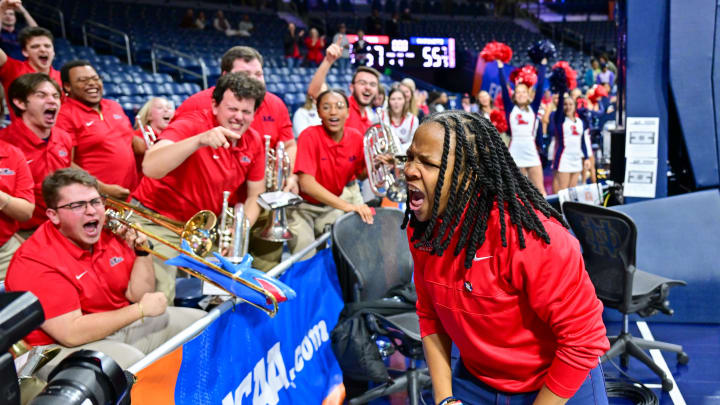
<point x="233" y="230"/>
<point x="198" y="232"/>
<point x="147" y="132"/>
<point x="277" y="169"/>
<point x="386" y="180"/>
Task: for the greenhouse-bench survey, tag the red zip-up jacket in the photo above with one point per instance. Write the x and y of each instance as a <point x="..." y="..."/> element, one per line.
<point x="521" y="318"/>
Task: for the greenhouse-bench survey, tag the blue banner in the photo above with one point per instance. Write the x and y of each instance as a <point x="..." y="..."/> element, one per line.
<point x="245" y="357"/>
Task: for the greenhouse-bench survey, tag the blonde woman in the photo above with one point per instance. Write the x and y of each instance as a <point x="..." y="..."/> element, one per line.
<point x="154" y="117"/>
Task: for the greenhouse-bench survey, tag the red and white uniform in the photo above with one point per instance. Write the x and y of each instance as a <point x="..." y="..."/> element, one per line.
<point x="13" y="68"/>
<point x="358" y="117"/>
<point x="17" y="181"/>
<point x="103" y="140"/>
<point x="271" y="117"/>
<point x="521" y="318"/>
<point x="198" y="183"/>
<point x="522" y="143"/>
<point x="403" y="133"/>
<point x="44" y="156"/>
<point x="333" y="164"/>
<point x="66" y="277"/>
<point x="571" y="143"/>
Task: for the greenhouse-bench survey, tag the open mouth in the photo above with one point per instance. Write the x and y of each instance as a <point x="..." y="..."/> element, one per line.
<point x="167" y="118"/>
<point x="93" y="92"/>
<point x="50" y="114"/>
<point x="416" y="198"/>
<point x="333" y="121"/>
<point x="91" y="228"/>
<point x="44" y="59"/>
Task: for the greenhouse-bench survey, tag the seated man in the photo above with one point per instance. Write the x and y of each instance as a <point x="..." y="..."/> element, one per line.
<point x="97" y="291"/>
<point x="200" y="155"/>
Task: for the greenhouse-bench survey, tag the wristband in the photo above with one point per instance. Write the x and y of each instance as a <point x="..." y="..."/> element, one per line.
<point x="142" y="314"/>
<point x="450" y="400"/>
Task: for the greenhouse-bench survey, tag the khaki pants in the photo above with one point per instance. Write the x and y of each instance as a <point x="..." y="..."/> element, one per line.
<point x="6" y="253"/>
<point x="307" y="221"/>
<point x="131" y="343"/>
<point x="164" y="274"/>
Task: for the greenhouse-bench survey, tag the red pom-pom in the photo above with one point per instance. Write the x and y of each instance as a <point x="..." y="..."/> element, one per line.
<point x="581" y="103"/>
<point x="498" y="120"/>
<point x="570" y="74"/>
<point x="488" y="53"/>
<point x="496" y="51"/>
<point x="596" y="93"/>
<point x="504" y="53"/>
<point x="525" y="75"/>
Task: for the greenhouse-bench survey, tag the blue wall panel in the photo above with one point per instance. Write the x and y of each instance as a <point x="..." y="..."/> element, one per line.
<point x="692" y="35"/>
<point x="716" y="81"/>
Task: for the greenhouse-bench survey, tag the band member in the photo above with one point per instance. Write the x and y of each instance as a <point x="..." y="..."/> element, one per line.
<point x="572" y="145"/>
<point x="363" y="89"/>
<point x="200" y="155"/>
<point x="9" y="32"/>
<point x="37" y="47"/>
<point x="35" y="99"/>
<point x="520" y="114"/>
<point x="494" y="263"/>
<point x="16" y="200"/>
<point x="271" y="117"/>
<point x="152" y="119"/>
<point x="101" y="131"/>
<point x="399" y="119"/>
<point x="95" y="289"/>
<point x="329" y="155"/>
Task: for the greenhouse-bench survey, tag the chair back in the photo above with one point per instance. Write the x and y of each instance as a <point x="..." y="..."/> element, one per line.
<point x="371" y="259"/>
<point x="608" y="239"/>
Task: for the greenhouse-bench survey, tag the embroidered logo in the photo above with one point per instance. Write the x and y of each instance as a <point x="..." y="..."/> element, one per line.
<point x="62" y="153"/>
<point x="520" y="120"/>
<point x="4" y="171"/>
<point x="216" y="157"/>
<point x="268" y="118"/>
<point x="353" y="158"/>
<point x="245" y="159"/>
<point x="79" y="276"/>
<point x="115" y="260"/>
<point x="117" y="116"/>
<point x="477" y="259"/>
<point x="87" y="124"/>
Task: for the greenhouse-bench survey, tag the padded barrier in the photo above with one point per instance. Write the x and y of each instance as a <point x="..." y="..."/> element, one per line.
<point x="679" y="238"/>
<point x="691" y="71"/>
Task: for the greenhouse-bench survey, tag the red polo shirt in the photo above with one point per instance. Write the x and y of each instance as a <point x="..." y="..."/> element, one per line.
<point x="44" y="156"/>
<point x="13" y="68"/>
<point x="198" y="183"/>
<point x="66" y="277"/>
<point x="333" y="164"/>
<point x="521" y="318"/>
<point x="271" y="117"/>
<point x="16" y="180"/>
<point x="103" y="140"/>
<point x="358" y="118"/>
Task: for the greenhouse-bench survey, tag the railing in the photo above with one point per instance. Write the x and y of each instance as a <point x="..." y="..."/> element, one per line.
<point x="104" y="27"/>
<point x="45" y="14"/>
<point x="193" y="330"/>
<point x="156" y="60"/>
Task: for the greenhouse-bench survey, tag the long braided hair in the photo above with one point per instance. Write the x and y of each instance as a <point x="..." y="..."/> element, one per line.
<point x="483" y="174"/>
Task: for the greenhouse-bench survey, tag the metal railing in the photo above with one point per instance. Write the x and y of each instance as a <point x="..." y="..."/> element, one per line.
<point x="46" y="13"/>
<point x="104" y="27"/>
<point x="156" y="60"/>
<point x="193" y="330"/>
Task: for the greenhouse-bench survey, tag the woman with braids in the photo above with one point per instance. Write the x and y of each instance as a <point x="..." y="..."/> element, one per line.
<point x="497" y="274"/>
<point x="520" y="114"/>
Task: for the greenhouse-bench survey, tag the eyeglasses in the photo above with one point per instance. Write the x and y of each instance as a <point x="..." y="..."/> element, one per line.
<point x="81" y="206"/>
<point x="84" y="80"/>
<point x="364" y="83"/>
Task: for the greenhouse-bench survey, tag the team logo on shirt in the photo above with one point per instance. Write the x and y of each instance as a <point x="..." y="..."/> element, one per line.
<point x="574" y="130"/>
<point x="62" y="153"/>
<point x="323" y="158"/>
<point x="403" y="131"/>
<point x="520" y="120"/>
<point x="268" y="118"/>
<point x="117" y="116"/>
<point x="352" y="158"/>
<point x="115" y="260"/>
<point x="245" y="159"/>
<point x="87" y="124"/>
<point x="4" y="171"/>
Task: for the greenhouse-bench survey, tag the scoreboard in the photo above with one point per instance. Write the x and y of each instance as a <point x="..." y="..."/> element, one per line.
<point x="413" y="52"/>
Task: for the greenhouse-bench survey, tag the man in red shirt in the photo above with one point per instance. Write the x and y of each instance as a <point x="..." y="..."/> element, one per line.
<point x="95" y="288"/>
<point x="198" y="157"/>
<point x="16" y="200"/>
<point x="363" y="89"/>
<point x="101" y="131"/>
<point x="500" y="277"/>
<point x="35" y="99"/>
<point x="37" y="47"/>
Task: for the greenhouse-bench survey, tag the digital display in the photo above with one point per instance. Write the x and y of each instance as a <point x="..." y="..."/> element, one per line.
<point x="415" y="52"/>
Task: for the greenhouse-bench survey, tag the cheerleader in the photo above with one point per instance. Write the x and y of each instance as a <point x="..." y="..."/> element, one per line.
<point x="572" y="145"/>
<point x="399" y="119"/>
<point x="521" y="114"/>
<point x="329" y="156"/>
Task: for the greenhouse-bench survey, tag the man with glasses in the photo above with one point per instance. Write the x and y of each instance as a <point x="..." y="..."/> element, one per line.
<point x="96" y="288"/>
<point x="363" y="89"/>
<point x="35" y="99"/>
<point x="101" y="131"/>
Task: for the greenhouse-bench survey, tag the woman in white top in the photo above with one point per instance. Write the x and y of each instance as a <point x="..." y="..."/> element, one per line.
<point x="399" y="119"/>
<point x="307" y="115"/>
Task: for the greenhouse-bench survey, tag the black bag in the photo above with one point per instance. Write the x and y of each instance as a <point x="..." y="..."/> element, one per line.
<point x="352" y="342"/>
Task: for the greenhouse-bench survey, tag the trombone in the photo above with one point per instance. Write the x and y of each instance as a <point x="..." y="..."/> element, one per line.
<point x="198" y="232"/>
